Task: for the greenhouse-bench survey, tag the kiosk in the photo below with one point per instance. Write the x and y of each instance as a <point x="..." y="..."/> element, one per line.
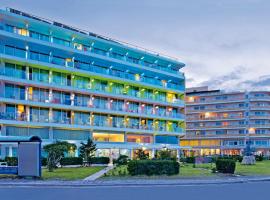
<point x="29" y="156"/>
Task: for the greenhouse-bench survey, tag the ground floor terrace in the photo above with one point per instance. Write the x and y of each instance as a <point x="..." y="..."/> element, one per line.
<point x="225" y="145"/>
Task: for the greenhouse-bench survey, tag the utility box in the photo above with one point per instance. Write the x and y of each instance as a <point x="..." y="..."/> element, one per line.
<point x="29" y="159"/>
<point x="29" y="156"/>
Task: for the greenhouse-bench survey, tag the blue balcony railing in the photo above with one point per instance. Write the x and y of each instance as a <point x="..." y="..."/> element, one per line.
<point x="84" y="66"/>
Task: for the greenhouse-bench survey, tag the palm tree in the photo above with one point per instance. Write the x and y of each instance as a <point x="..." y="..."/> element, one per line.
<point x="87" y="150"/>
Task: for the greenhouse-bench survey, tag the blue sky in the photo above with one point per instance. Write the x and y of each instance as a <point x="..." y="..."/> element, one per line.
<point x="224" y="43"/>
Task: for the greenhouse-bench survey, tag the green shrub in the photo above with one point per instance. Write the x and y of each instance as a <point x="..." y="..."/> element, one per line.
<point x="259" y="157"/>
<point x="44" y="161"/>
<point x="11" y="161"/>
<point x="71" y="161"/>
<point x="153" y="167"/>
<point x="226" y="166"/>
<point x="190" y="159"/>
<point x="121" y="160"/>
<point x="100" y="160"/>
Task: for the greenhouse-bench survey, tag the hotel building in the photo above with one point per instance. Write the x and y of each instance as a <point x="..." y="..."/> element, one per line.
<point x="62" y="83"/>
<point x="219" y="122"/>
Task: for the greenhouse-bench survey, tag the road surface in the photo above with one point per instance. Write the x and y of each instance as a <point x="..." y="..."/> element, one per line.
<point x="240" y="191"/>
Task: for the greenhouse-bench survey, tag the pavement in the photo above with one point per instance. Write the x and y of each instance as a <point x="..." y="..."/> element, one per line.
<point x="129" y="182"/>
<point x="246" y="191"/>
<point x="100" y="173"/>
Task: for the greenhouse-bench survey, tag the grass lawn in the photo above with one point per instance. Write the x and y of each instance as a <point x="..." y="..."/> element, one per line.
<point x="70" y="173"/>
<point x="186" y="171"/>
<point x="202" y="170"/>
<point x="260" y="168"/>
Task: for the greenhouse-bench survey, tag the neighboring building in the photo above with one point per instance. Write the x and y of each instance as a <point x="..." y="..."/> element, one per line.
<point x="219" y="122"/>
<point x="62" y="83"/>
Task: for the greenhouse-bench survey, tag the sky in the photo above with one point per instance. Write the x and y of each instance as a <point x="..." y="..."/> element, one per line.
<point x="225" y="44"/>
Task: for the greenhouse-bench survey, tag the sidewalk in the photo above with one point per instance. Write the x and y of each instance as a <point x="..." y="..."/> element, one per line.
<point x="127" y="182"/>
<point x="97" y="175"/>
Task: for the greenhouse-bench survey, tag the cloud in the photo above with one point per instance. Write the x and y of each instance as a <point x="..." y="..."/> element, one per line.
<point x="227" y="80"/>
<point x="262" y="83"/>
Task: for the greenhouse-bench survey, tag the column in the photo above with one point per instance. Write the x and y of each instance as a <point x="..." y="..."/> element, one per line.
<point x="153" y="152"/>
<point x="10" y="151"/>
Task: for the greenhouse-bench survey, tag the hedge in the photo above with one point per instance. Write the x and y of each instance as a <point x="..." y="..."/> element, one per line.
<point x="153" y="167"/>
<point x="226" y="166"/>
<point x="71" y="161"/>
<point x="100" y="160"/>
<point x="11" y="161"/>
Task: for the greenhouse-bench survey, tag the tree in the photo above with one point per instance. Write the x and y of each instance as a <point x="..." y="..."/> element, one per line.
<point x="142" y="155"/>
<point x="87" y="150"/>
<point x="164" y="154"/>
<point x="56" y="152"/>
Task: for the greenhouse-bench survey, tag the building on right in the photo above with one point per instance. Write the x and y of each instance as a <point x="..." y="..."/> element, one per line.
<point x="221" y="123"/>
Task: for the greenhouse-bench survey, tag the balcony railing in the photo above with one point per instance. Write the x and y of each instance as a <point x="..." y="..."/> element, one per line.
<point x="213" y="118"/>
<point x="108" y="53"/>
<point x="84" y="121"/>
<point x="213" y="100"/>
<point x="33" y="55"/>
<point x="106" y="106"/>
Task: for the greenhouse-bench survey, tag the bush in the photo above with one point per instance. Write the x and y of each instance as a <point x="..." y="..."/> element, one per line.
<point x="44" y="161"/>
<point x="11" y="161"/>
<point x="259" y="157"/>
<point x="71" y="161"/>
<point x="153" y="167"/>
<point x="121" y="160"/>
<point x="190" y="159"/>
<point x="226" y="166"/>
<point x="100" y="160"/>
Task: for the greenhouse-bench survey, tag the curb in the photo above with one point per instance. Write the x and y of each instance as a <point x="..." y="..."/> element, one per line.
<point x="129" y="183"/>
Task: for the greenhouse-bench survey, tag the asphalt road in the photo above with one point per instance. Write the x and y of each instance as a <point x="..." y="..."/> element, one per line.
<point x="239" y="191"/>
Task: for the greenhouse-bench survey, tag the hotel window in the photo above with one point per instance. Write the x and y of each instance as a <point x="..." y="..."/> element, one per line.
<point x="115" y="88"/>
<point x="38" y="94"/>
<point x="81" y="82"/>
<point x="39" y="36"/>
<point x="99" y="119"/>
<point x="132" y="107"/>
<point x="14" y="91"/>
<point x="61" y="116"/>
<point x="139" y="138"/>
<point x="82" y="118"/>
<point x="108" y="137"/>
<point x="78" y="46"/>
<point x="61" y="41"/>
<point x="100" y="102"/>
<point x="39" y="114"/>
<point x="167" y="139"/>
<point x="116" y="121"/>
<point x="81" y="100"/>
<point x="65" y="134"/>
<point x="133" y="91"/>
<point x="132" y="122"/>
<point x="39" y="75"/>
<point x="16" y="71"/>
<point x="116" y="104"/>
<point x="61" y="78"/>
<point x="98" y="85"/>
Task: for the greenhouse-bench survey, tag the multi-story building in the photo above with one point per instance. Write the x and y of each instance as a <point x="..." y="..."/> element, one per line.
<point x="219" y="122"/>
<point x="62" y="83"/>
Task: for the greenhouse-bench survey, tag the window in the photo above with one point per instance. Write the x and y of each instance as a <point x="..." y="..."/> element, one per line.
<point x="167" y="139"/>
<point x="108" y="137"/>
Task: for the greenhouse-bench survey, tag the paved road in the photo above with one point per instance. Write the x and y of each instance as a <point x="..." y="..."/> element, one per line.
<point x="239" y="191"/>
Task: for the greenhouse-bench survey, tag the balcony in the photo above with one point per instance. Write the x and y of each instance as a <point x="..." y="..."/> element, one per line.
<point x="193" y="101"/>
<point x="87" y="122"/>
<point x="91" y="67"/>
<point x="98" y="51"/>
<point x="214" y="118"/>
